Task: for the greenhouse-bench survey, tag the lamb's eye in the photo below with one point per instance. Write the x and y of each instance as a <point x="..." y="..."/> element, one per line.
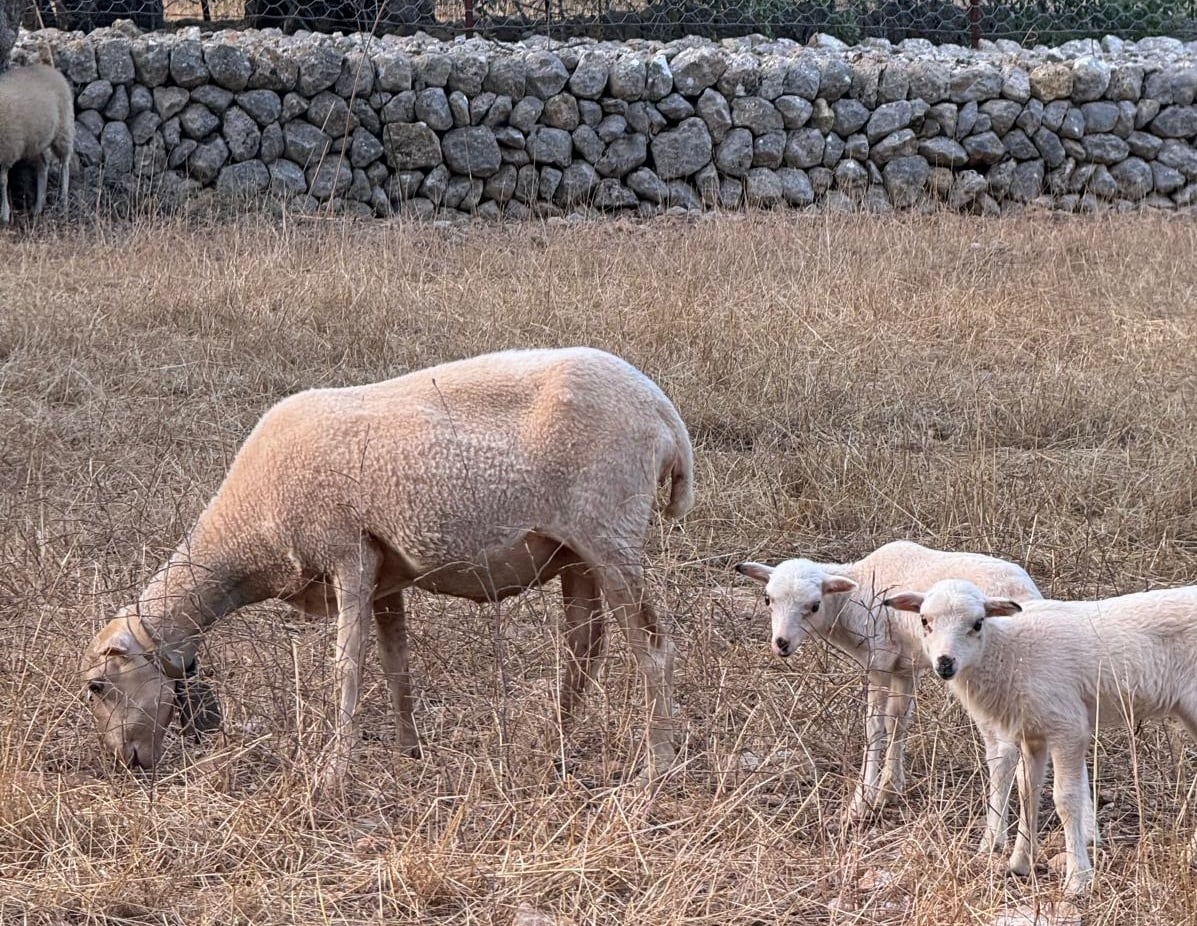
<point x="977" y="627"/>
<point x="95" y="688"/>
<point x="768" y="601"/>
<point x="926" y="624"/>
<point x="814" y="607"/>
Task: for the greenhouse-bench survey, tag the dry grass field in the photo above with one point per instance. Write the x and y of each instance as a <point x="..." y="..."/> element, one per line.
<point x="1026" y="388"/>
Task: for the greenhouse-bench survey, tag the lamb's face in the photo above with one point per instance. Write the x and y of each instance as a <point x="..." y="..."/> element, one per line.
<point x="130" y="697"/>
<point x="794" y="593"/>
<point x="953" y="614"/>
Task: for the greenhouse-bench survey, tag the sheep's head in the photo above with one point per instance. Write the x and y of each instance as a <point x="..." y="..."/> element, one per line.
<point x="794" y="593"/>
<point x="131" y="690"/>
<point x="953" y="613"/>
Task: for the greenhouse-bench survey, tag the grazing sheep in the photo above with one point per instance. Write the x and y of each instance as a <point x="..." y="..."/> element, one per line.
<point x="479" y="478"/>
<point x="37" y="114"/>
<point x="839" y="604"/>
<point x="1047" y="677"/>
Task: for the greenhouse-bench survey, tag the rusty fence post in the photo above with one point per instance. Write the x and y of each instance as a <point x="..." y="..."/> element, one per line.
<point x="974" y="23"/>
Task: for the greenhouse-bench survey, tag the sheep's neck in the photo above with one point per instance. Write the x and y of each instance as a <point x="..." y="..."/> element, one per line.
<point x="856" y="624"/>
<point x="988" y="688"/>
<point x="188" y="594"/>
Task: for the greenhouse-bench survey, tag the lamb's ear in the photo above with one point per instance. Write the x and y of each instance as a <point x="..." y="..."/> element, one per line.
<point x="905" y="601"/>
<point x="758" y="571"/>
<point x="1001" y="607"/>
<point x="835" y="584"/>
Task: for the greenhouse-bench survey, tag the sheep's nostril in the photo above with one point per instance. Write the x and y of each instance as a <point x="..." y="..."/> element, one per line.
<point x="945" y="667"/>
<point x="782" y="645"/>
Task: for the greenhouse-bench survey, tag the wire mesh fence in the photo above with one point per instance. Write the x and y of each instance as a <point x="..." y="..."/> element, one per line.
<point x="964" y="22"/>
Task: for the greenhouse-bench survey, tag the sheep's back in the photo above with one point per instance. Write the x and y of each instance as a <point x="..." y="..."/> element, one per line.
<point x="448" y="461"/>
<point x="1139" y="648"/>
<point x="904" y="565"/>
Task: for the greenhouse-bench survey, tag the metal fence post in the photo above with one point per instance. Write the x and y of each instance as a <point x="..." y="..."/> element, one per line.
<point x="974" y="23"/>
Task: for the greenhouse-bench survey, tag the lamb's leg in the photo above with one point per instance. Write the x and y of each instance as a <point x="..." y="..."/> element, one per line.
<point x="1089" y="813"/>
<point x="1188" y="716"/>
<point x="1068" y="791"/>
<point x="899" y="711"/>
<point x="43" y="172"/>
<point x="583" y="635"/>
<point x="1030" y="784"/>
<point x="356" y="577"/>
<point x="393" y="653"/>
<point x="865" y="798"/>
<point x="1001" y="757"/>
<point x="623" y="587"/>
<point x="4" y="211"/>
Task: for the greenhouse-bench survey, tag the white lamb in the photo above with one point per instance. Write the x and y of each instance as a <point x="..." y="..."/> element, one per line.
<point x="1047" y="677"/>
<point x="840" y="603"/>
<point x="479" y="478"/>
<point x="37" y="114"/>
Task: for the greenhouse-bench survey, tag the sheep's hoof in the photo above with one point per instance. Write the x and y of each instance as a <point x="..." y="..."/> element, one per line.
<point x="1020" y="865"/>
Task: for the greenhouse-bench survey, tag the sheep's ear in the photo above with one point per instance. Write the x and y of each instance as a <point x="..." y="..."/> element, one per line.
<point x="905" y="601"/>
<point x="1001" y="607"/>
<point x="834" y="584"/>
<point x="175" y="663"/>
<point x="115" y="640"/>
<point x="198" y="706"/>
<point x="758" y="571"/>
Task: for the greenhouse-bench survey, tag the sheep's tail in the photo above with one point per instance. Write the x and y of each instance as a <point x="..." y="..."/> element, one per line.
<point x="679" y="467"/>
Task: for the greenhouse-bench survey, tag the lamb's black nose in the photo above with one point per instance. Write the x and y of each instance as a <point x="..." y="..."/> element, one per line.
<point x="783" y="645"/>
<point x="945" y="667"/>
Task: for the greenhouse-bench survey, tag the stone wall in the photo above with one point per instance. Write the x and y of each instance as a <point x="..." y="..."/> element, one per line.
<point x="370" y="125"/>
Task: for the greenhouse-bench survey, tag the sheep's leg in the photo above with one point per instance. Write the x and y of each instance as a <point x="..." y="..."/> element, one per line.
<point x="899" y="710"/>
<point x="653" y="651"/>
<point x="1001" y="757"/>
<point x="355" y="581"/>
<point x="43" y="173"/>
<point x="583" y="636"/>
<point x="393" y="653"/>
<point x="1030" y="785"/>
<point x="64" y="174"/>
<point x="864" y="801"/>
<point x="4" y="212"/>
<point x="1068" y="791"/>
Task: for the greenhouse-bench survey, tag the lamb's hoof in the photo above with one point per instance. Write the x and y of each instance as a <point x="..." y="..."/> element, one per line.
<point x="862" y="812"/>
<point x="332" y="770"/>
<point x="1078" y="883"/>
<point x="988" y="850"/>
<point x="565" y="768"/>
<point x="328" y="788"/>
<point x="1020" y="865"/>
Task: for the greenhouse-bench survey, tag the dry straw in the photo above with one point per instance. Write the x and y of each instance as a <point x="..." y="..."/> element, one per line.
<point x="1022" y="388"/>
